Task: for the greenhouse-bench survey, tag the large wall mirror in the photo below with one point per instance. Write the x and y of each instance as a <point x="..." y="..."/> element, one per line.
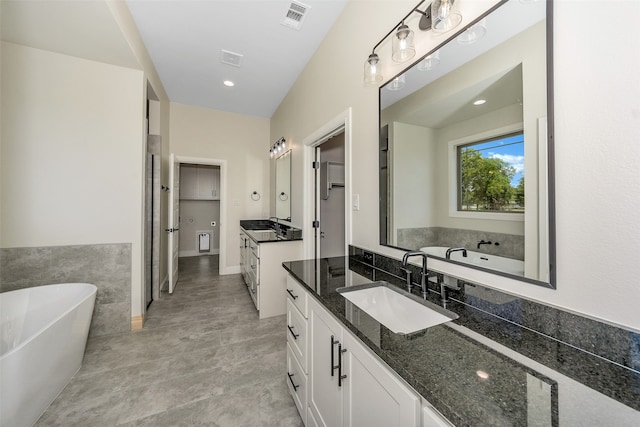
<point x="459" y="131"/>
<point x="283" y="186"/>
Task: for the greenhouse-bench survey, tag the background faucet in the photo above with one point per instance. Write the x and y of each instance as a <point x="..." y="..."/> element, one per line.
<point x="483" y="242"/>
<point x="423" y="273"/>
<point x="447" y="255"/>
<point x="277" y="226"/>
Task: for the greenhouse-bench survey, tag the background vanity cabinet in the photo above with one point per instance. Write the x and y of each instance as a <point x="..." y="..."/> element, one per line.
<point x="261" y="268"/>
<point x="346" y="385"/>
<point x="199" y="182"/>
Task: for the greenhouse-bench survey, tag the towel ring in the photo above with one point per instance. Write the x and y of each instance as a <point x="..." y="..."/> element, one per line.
<point x="283" y="196"/>
<point x="255" y="196"/>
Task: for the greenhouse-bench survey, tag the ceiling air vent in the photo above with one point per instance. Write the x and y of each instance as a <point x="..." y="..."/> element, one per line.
<point x="230" y="58"/>
<point x="295" y="15"/>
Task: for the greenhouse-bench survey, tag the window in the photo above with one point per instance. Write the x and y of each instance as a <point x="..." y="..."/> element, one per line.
<point x="491" y="175"/>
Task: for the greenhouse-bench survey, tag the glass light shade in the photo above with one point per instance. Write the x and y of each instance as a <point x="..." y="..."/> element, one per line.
<point x="397" y="83"/>
<point x="474" y="33"/>
<point x="372" y="73"/>
<point x="444" y="16"/>
<point x="402" y="47"/>
<point x="430" y="61"/>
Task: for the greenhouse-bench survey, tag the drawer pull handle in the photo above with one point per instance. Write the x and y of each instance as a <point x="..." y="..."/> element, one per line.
<point x="340" y="376"/>
<point x="290" y="292"/>
<point x="295" y="387"/>
<point x="333" y="365"/>
<point x="295" y="336"/>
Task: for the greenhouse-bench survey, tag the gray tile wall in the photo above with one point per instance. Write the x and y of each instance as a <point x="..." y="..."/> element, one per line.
<point x="107" y="266"/>
<point x="510" y="245"/>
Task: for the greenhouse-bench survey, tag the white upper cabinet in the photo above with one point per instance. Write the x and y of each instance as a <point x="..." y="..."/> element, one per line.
<point x="199" y="182"/>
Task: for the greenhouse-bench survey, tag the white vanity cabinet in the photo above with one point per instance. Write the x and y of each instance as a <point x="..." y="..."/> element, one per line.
<point x="261" y="268"/>
<point x="346" y="384"/>
<point x="297" y="345"/>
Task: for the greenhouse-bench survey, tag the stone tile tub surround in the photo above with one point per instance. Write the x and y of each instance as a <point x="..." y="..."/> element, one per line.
<point x="108" y="266"/>
<point x="618" y="345"/>
<point x="510" y="245"/>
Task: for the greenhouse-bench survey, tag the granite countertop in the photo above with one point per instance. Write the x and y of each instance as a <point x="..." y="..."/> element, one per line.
<point x="481" y="369"/>
<point x="267" y="231"/>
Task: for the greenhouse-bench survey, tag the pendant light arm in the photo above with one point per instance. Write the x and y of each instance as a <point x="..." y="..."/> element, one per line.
<point x="415" y="9"/>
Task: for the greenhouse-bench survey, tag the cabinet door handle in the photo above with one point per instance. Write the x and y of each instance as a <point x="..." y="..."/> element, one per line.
<point x="295" y="387"/>
<point x="340" y="376"/>
<point x="295" y="336"/>
<point x="290" y="292"/>
<point x="333" y="365"/>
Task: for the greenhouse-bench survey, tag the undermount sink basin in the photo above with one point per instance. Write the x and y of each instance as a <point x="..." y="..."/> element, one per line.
<point x="398" y="310"/>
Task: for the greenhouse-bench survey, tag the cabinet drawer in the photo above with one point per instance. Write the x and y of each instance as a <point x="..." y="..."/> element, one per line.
<point x="297" y="383"/>
<point x="297" y="295"/>
<point x="297" y="334"/>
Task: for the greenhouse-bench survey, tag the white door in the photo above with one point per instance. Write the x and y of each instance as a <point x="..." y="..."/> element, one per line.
<point x="174" y="220"/>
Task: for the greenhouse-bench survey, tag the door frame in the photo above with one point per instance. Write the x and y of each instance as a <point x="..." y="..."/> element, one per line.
<point x="223" y="203"/>
<point x="340" y="123"/>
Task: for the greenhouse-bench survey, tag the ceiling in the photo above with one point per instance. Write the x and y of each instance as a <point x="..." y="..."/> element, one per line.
<point x="184" y="39"/>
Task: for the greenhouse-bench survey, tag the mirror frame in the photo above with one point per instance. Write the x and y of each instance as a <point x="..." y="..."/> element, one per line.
<point x="551" y="203"/>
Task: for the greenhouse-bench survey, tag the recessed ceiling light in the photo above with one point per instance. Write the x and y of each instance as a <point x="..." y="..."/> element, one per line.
<point x="229" y="83"/>
<point x="479" y="101"/>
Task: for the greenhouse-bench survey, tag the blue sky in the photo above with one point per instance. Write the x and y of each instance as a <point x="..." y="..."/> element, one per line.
<point x="509" y="149"/>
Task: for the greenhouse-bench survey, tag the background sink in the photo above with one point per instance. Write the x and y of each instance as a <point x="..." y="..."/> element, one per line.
<point x="395" y="308"/>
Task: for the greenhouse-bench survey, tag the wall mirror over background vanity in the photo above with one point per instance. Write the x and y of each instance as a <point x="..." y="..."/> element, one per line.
<point x="459" y="130"/>
<point x="282" y="199"/>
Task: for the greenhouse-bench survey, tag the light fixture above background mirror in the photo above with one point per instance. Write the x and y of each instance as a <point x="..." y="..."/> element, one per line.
<point x="431" y="195"/>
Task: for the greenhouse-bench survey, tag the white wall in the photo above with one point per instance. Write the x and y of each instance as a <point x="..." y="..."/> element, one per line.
<point x="597" y="127"/>
<point x="72" y="154"/>
<point x="243" y="141"/>
<point x="196" y="217"/>
<point x="413" y="174"/>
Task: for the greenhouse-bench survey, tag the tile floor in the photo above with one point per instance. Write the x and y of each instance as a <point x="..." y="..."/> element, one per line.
<point x="203" y="359"/>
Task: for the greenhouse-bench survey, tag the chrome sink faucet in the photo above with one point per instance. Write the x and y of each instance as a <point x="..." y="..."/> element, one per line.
<point x="277" y="227"/>
<point x="423" y="273"/>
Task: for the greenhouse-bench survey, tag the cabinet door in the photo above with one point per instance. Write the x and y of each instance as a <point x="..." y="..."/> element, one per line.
<point x="205" y="182"/>
<point x="325" y="396"/>
<point x="216" y="184"/>
<point x="188" y="182"/>
<point x="373" y="396"/>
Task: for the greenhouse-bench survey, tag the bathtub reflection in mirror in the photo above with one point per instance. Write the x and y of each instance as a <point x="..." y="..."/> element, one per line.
<point x="455" y="144"/>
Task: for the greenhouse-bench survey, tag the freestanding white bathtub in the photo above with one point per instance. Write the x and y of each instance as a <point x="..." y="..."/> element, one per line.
<point x="494" y="262"/>
<point x="43" y="337"/>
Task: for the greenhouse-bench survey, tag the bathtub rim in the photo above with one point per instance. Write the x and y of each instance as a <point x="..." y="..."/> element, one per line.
<point x="32" y="337"/>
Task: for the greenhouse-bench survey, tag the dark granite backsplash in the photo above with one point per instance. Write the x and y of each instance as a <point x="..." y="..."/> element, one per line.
<point x="612" y="343"/>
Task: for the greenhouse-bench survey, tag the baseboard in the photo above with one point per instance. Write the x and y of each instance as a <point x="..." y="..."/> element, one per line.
<point x="183" y="254"/>
<point x="137" y="322"/>
<point x="230" y="270"/>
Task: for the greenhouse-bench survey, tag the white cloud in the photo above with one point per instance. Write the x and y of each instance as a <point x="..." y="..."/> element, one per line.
<point x="517" y="162"/>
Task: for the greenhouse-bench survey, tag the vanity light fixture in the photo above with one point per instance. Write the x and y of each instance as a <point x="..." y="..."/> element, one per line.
<point x="402" y="47"/>
<point x="444" y="16"/>
<point x="228" y="83"/>
<point x="278" y="147"/>
<point x="473" y="33"/>
<point x="441" y="16"/>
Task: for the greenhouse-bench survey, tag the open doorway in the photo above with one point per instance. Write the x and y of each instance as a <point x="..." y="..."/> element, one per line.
<point x="330" y="200"/>
<point x="334" y="215"/>
<point x="196" y="212"/>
